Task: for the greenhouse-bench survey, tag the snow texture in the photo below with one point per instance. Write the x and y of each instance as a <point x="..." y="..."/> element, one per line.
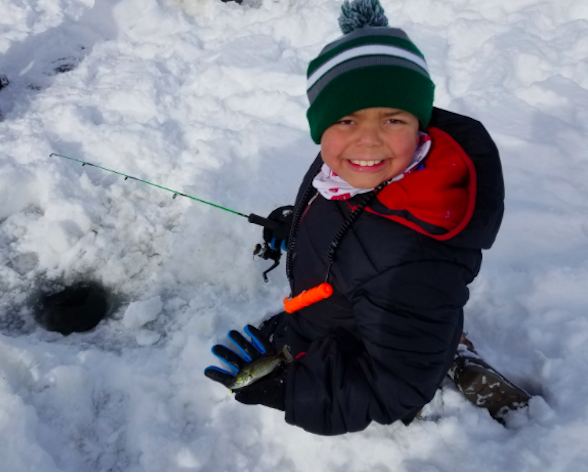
<point x="138" y="314"/>
<point x="361" y="14"/>
<point x="208" y="98"/>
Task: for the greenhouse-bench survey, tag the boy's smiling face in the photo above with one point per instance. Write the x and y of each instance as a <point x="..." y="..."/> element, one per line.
<point x="371" y="146"/>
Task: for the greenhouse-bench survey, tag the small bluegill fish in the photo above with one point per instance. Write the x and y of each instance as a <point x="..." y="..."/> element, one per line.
<point x="259" y="368"/>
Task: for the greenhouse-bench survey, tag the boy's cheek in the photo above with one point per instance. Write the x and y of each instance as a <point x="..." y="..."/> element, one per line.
<point x="332" y="139"/>
<point x="329" y="154"/>
<point x="332" y="161"/>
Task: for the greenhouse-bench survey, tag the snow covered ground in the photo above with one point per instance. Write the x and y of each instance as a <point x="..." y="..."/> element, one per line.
<point x="209" y="98"/>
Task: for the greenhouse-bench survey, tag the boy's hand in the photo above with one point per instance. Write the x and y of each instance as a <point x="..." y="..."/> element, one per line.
<point x="278" y="238"/>
<point x="269" y="390"/>
<point x="247" y="351"/>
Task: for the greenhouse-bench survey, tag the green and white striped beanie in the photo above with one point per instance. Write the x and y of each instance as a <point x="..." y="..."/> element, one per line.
<point x="370" y="66"/>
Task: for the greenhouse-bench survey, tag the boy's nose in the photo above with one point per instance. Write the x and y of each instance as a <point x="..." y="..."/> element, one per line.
<point x="370" y="136"/>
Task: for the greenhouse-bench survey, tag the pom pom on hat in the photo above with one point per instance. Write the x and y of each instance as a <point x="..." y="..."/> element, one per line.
<point x="361" y="14"/>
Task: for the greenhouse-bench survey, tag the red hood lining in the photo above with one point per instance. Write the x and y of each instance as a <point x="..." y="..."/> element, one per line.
<point x="437" y="201"/>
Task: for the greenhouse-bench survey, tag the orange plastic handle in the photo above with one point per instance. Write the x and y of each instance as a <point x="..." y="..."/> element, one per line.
<point x="308" y="297"/>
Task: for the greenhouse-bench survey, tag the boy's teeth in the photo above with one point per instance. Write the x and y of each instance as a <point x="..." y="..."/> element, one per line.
<point x="365" y="163"/>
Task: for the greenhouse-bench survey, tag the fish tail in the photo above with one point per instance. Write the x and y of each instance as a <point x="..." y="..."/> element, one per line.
<point x="286" y="353"/>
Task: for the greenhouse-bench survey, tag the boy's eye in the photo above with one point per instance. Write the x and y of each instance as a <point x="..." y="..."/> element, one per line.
<point x="393" y="121"/>
<point x="345" y="122"/>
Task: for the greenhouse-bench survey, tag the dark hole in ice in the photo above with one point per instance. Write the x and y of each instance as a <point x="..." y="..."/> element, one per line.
<point x="77" y="308"/>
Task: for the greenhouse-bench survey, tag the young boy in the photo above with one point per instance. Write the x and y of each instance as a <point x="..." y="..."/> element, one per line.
<point x="393" y="214"/>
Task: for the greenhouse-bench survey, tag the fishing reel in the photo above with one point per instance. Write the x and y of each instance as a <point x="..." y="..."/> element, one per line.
<point x="276" y="228"/>
<point x="265" y="252"/>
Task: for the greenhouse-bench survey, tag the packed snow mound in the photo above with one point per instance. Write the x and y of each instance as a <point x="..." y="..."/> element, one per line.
<point x="208" y="98"/>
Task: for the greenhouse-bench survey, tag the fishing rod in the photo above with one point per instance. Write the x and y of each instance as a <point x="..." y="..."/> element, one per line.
<point x="252" y="218"/>
<point x="265" y="251"/>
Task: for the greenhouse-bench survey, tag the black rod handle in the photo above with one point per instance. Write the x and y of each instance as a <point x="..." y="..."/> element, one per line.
<point x="265" y="222"/>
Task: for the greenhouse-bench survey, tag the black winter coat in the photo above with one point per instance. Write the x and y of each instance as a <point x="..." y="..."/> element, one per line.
<point x="379" y="347"/>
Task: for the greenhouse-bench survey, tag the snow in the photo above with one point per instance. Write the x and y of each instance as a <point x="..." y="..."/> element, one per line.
<point x="140" y="313"/>
<point x="208" y="98"/>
